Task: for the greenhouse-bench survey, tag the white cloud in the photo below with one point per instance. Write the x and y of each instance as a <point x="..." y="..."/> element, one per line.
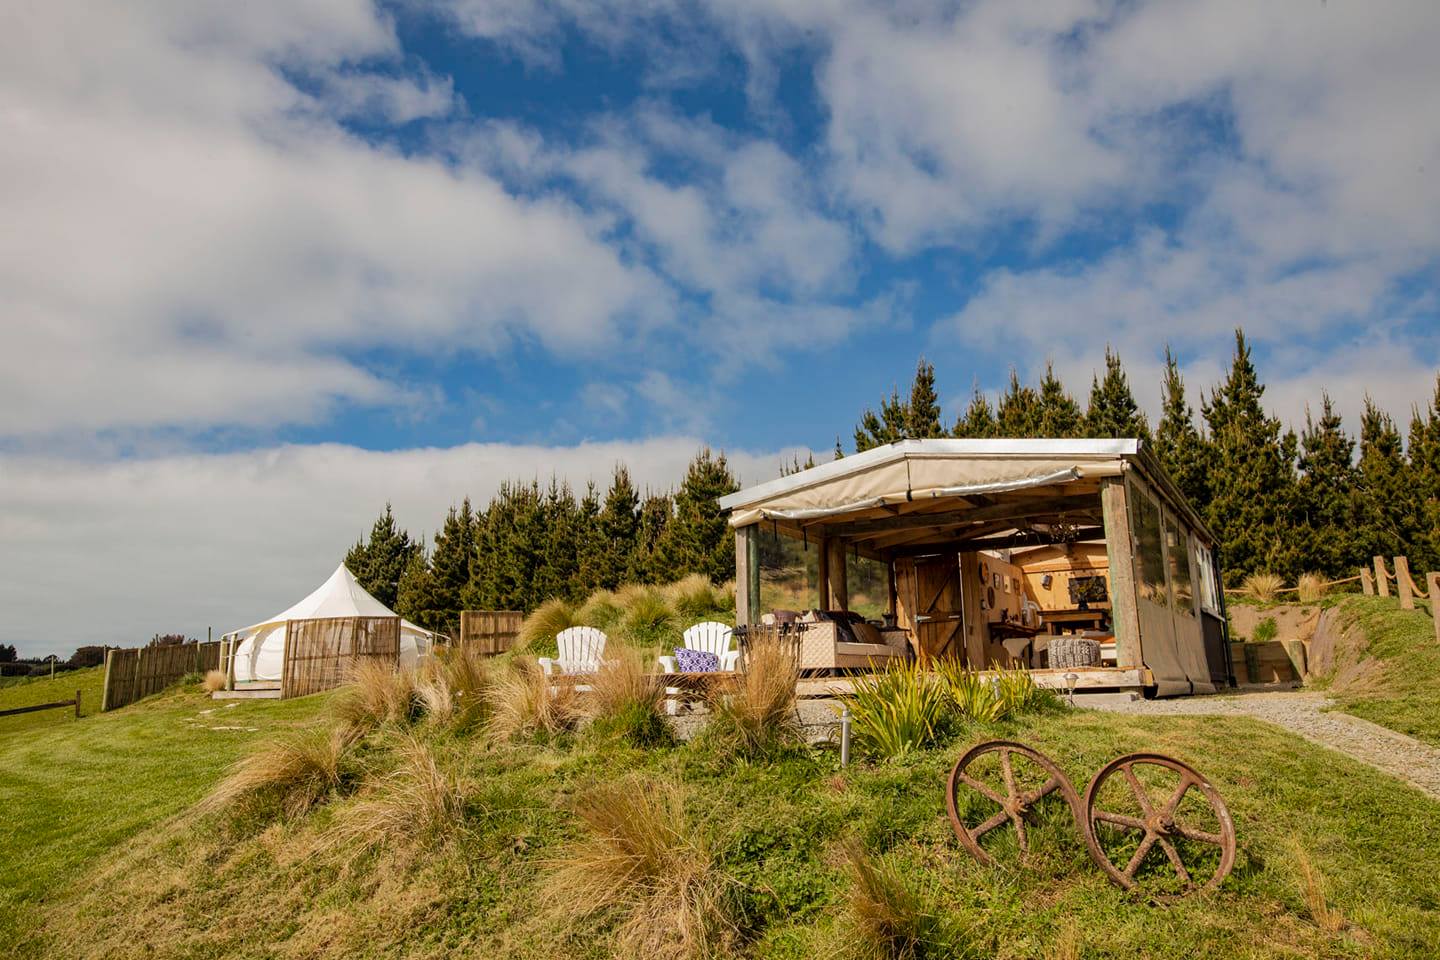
<point x="113" y="552"/>
<point x="191" y="240"/>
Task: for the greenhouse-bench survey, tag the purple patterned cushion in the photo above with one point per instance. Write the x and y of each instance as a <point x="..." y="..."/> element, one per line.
<point x="695" y="661"/>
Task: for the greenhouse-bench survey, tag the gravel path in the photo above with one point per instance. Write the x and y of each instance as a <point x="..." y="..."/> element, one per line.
<point x="1405" y="758"/>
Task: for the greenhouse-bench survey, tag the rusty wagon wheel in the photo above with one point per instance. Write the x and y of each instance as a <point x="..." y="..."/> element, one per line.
<point x="1188" y="822"/>
<point x="1025" y="777"/>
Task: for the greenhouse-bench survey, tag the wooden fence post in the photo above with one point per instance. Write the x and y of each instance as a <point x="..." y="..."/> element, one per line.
<point x="1433" y="585"/>
<point x="1403" y="585"/>
<point x="1367" y="582"/>
<point x="77" y="704"/>
<point x="105" y="690"/>
<point x="1382" y="581"/>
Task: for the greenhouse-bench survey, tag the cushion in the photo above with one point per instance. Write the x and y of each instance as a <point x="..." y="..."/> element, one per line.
<point x="695" y="661"/>
<point x="865" y="633"/>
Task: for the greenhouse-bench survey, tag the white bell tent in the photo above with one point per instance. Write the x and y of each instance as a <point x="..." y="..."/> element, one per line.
<point x="260" y="650"/>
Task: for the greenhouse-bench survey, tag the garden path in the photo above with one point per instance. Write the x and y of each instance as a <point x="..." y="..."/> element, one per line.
<point x="1307" y="714"/>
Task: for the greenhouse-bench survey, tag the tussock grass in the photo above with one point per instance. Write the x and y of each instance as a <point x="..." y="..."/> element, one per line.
<point x="1313" y="888"/>
<point x="644" y="860"/>
<point x="286" y="777"/>
<point x="522" y="702"/>
<point x="214" y="680"/>
<point x="624" y="702"/>
<point x="759" y="715"/>
<point x="885" y="917"/>
<point x="537" y="632"/>
<point x="419" y="802"/>
<point x="452" y="686"/>
<point x="694" y="597"/>
<point x="1312" y="587"/>
<point x="601" y="610"/>
<point x="648" y="620"/>
<point x="378" y="694"/>
<point x="1262" y="587"/>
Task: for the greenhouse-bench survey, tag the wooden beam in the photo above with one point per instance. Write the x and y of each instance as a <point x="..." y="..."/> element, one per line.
<point x="1382" y="580"/>
<point x="1022" y="539"/>
<point x="822" y="572"/>
<point x="1432" y="584"/>
<point x="890" y="596"/>
<point x="839" y="583"/>
<point x="744" y="602"/>
<point x="1403" y="584"/>
<point x="999" y="511"/>
<point x="1119" y="546"/>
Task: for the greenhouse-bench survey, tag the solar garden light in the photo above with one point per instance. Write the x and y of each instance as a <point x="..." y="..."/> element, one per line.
<point x="845" y="737"/>
<point x="1070" y="680"/>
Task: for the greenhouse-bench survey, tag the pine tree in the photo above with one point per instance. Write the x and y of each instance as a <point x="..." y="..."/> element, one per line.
<point x="1113" y="412"/>
<point x="1425" y="469"/>
<point x="978" y="421"/>
<point x="656" y="512"/>
<point x="1252" y="487"/>
<point x="922" y="413"/>
<point x="1329" y="513"/>
<point x="1178" y="445"/>
<point x="415" y="596"/>
<point x="1019" y="411"/>
<point x="1390" y="510"/>
<point x="450" y="563"/>
<point x="379" y="562"/>
<point x="876" y="430"/>
<point x="558" y="560"/>
<point x="698" y="539"/>
<point x="1057" y="413"/>
<point x="592" y="561"/>
<point x="619" y="528"/>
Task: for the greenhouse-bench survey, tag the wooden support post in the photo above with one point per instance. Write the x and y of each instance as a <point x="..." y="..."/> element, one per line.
<point x="747" y="575"/>
<point x="890" y="595"/>
<point x="77" y="704"/>
<point x="1119" y="548"/>
<point x="839" y="581"/>
<point x="1403" y="585"/>
<point x="1382" y="580"/>
<point x="1432" y="584"/>
<point x="822" y="572"/>
<point x="105" y="690"/>
<point x="1367" y="582"/>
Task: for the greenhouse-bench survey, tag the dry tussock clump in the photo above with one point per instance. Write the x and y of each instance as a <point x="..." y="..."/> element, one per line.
<point x="1312" y="587"/>
<point x="647" y="620"/>
<point x="420" y="801"/>
<point x="537" y="632"/>
<point x="377" y="693"/>
<point x="288" y="776"/>
<point x="1312" y="887"/>
<point x="694" y="597"/>
<point x="624" y="701"/>
<point x="522" y="702"/>
<point x="214" y="680"/>
<point x="646" y="861"/>
<point x="886" y="919"/>
<point x="759" y="713"/>
<point x="601" y="610"/>
<point x="1262" y="587"/>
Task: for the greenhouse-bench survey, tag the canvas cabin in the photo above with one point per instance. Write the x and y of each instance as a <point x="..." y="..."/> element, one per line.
<point x="1000" y="553"/>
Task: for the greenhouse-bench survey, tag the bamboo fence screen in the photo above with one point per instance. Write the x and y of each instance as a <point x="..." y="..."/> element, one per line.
<point x="323" y="654"/>
<point x="489" y="632"/>
<point x="137" y="672"/>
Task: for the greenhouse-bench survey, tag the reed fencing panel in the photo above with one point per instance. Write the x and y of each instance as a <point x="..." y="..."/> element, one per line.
<point x="489" y="632"/>
<point x="322" y="654"/>
<point x="207" y="656"/>
<point x="137" y="672"/>
<point x="122" y="672"/>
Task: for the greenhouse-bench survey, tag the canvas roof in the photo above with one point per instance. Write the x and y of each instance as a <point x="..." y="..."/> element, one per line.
<point x="339" y="596"/>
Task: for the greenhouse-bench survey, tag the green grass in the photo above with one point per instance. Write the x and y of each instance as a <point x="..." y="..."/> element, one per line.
<point x="74" y="793"/>
<point x="110" y="859"/>
<point x="28" y="691"/>
<point x="1399" y="687"/>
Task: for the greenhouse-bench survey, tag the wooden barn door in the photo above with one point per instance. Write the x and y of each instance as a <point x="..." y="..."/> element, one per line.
<point x="927" y="603"/>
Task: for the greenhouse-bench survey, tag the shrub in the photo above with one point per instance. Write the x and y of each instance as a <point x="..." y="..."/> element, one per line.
<point x="885" y="917"/>
<point x="624" y="701"/>
<point x="537" y="632"/>
<point x="1312" y="587"/>
<point x="376" y="694"/>
<point x="1262" y="587"/>
<point x="759" y="714"/>
<point x="646" y="861"/>
<point x="214" y="680"/>
<point x="898" y="709"/>
<point x="694" y="598"/>
<point x="1265" y="631"/>
<point x="418" y="801"/>
<point x="288" y="776"/>
<point x="600" y="610"/>
<point x="522" y="702"/>
<point x="648" y="621"/>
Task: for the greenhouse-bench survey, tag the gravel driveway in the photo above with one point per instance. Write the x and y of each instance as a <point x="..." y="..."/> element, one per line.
<point x="1405" y="758"/>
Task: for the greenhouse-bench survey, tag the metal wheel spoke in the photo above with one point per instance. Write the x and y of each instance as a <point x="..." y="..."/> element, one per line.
<point x="1034" y="795"/>
<point x="981" y="788"/>
<point x="1120" y="819"/>
<point x="1139" y="856"/>
<point x="1010" y="789"/>
<point x="1199" y="836"/>
<point x="1175" y="860"/>
<point x="1019" y="822"/>
<point x="1141" y="794"/>
<point x="995" y="821"/>
<point x="1174" y="802"/>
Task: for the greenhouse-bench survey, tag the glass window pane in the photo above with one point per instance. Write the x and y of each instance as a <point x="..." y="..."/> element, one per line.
<point x="1181" y="577"/>
<point x="1150" y="547"/>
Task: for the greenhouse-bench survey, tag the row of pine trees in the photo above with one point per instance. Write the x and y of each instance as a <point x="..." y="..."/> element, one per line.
<point x="531" y="543"/>
<point x="1278" y="502"/>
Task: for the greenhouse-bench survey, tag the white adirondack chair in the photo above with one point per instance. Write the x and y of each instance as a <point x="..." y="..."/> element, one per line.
<point x="711" y="637"/>
<point x="580" y="650"/>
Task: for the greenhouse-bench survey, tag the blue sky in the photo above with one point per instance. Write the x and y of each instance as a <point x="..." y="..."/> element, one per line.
<point x="436" y="244"/>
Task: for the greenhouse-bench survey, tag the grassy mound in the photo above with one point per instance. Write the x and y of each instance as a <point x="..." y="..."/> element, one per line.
<point x="435" y="839"/>
<point x="646" y="618"/>
<point x="1387" y="667"/>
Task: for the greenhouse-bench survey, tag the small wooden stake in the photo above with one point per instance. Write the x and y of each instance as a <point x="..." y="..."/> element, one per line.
<point x="1382" y="580"/>
<point x="1403" y="584"/>
<point x="1433" y="585"/>
<point x="1367" y="582"/>
<point x="77" y="704"/>
<point x="105" y="694"/>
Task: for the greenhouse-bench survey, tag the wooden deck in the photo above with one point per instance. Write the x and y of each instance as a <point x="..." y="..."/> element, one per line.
<point x="1088" y="678"/>
<point x="256" y="690"/>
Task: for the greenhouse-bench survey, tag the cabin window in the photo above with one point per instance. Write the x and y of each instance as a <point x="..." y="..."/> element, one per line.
<point x="1209" y="593"/>
<point x="1181" y="576"/>
<point x="1149" y="547"/>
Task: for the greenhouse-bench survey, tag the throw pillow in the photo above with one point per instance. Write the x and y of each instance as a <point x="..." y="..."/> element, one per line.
<point x="695" y="661"/>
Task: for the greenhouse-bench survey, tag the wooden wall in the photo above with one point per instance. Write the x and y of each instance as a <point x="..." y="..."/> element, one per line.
<point x="1060" y="562"/>
<point x="322" y="654"/>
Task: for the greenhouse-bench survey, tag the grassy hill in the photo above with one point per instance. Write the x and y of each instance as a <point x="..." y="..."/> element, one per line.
<point x="431" y="842"/>
<point x="1386" y="667"/>
<point x="32" y="690"/>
